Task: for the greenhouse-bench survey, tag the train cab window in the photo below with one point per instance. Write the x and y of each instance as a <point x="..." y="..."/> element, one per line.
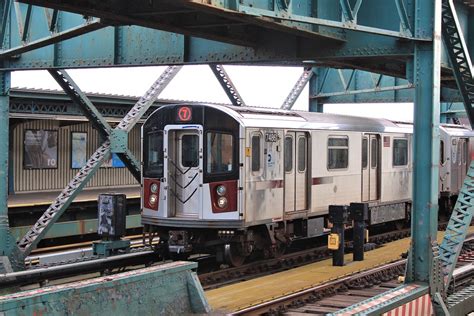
<point x="154" y="159"/>
<point x="364" y="152"/>
<point x="400" y="152"/>
<point x="219" y="153"/>
<point x="190" y="151"/>
<point x="288" y="153"/>
<point x="256" y="152"/>
<point x="338" y="152"/>
<point x="301" y="154"/>
<point x="374" y="153"/>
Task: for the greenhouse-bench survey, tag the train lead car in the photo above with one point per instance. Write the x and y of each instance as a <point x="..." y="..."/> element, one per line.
<point x="237" y="181"/>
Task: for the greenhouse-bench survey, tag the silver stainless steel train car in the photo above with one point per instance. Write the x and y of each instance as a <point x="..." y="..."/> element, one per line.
<point x="235" y="181"/>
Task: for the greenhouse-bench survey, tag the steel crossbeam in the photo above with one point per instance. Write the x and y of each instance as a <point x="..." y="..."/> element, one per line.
<point x="65" y="198"/>
<point x="26" y="25"/>
<point x="297" y="89"/>
<point x="227" y="84"/>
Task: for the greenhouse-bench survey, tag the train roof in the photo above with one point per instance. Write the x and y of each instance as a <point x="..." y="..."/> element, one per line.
<point x="276" y="118"/>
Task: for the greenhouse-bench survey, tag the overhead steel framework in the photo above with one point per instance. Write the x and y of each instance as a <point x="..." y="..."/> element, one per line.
<point x="354" y="56"/>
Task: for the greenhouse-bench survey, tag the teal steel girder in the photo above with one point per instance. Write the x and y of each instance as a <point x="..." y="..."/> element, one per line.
<point x="227" y="85"/>
<point x="358" y="86"/>
<point x="123" y="45"/>
<point x="167" y="289"/>
<point x="279" y="47"/>
<point x="427" y="78"/>
<point x="8" y="250"/>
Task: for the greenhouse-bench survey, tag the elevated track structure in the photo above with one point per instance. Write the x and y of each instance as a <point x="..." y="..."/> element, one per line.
<point x="358" y="51"/>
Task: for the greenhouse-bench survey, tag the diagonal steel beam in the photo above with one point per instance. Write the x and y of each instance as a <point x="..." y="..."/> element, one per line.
<point x="297" y="89"/>
<point x="227" y="85"/>
<point x="77" y="96"/>
<point x="65" y="198"/>
<point x="87" y="27"/>
<point x="147" y="100"/>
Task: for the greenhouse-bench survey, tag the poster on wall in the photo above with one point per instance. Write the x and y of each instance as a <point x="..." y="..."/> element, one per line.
<point x="40" y="149"/>
<point x="78" y="150"/>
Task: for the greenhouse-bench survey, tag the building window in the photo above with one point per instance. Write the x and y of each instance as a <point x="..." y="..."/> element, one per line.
<point x="288" y="153"/>
<point x="301" y="154"/>
<point x="219" y="153"/>
<point x="256" y="153"/>
<point x="338" y="152"/>
<point x="40" y="149"/>
<point x="190" y="151"/>
<point x="400" y="152"/>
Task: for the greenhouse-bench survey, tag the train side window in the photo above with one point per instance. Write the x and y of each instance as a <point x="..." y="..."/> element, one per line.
<point x="464" y="151"/>
<point x="301" y="154"/>
<point x="441" y="153"/>
<point x="256" y="143"/>
<point x="364" y="152"/>
<point x="400" y="152"/>
<point x="190" y="151"/>
<point x="374" y="153"/>
<point x="338" y="152"/>
<point x="219" y="153"/>
<point x="288" y="153"/>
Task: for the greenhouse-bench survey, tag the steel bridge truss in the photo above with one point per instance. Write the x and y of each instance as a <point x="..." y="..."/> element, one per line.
<point x="116" y="142"/>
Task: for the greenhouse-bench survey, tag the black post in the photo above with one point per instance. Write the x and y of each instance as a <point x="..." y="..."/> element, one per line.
<point x="359" y="212"/>
<point x="338" y="215"/>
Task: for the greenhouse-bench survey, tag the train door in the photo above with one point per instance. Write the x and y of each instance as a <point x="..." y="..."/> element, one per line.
<point x="183" y="167"/>
<point x="460" y="166"/>
<point x="370" y="166"/>
<point x="296" y="171"/>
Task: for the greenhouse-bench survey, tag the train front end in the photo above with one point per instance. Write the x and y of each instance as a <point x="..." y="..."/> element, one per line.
<point x="190" y="177"/>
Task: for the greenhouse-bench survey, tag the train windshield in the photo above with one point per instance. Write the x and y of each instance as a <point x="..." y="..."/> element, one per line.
<point x="219" y="153"/>
<point x="154" y="156"/>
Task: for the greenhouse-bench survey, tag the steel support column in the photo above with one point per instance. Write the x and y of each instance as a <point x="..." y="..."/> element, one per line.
<point x="315" y="104"/>
<point x="7" y="243"/>
<point x="425" y="139"/>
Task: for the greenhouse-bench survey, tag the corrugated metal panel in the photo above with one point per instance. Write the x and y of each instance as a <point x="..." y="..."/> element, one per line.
<point x="57" y="179"/>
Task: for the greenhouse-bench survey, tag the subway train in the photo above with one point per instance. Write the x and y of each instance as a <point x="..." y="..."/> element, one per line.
<point x="237" y="181"/>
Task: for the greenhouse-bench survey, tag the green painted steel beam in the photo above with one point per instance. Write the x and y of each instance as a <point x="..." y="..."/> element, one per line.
<point x="9" y="255"/>
<point x="427" y="78"/>
<point x="167" y="289"/>
<point x="62" y="202"/>
<point x="73" y="228"/>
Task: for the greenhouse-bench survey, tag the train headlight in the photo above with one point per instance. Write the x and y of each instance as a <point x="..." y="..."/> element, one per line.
<point x="153" y="199"/>
<point x="222" y="202"/>
<point x="221" y="190"/>
<point x="154" y="188"/>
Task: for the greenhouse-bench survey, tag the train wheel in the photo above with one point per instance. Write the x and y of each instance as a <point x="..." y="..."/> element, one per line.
<point x="233" y="255"/>
<point x="279" y="249"/>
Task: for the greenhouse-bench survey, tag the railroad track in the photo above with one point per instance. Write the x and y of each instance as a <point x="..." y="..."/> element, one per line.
<point x="336" y="295"/>
<point x="66" y="263"/>
<point x="260" y="268"/>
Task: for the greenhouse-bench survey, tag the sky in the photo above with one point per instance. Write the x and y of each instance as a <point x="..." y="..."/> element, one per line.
<point x="258" y="85"/>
